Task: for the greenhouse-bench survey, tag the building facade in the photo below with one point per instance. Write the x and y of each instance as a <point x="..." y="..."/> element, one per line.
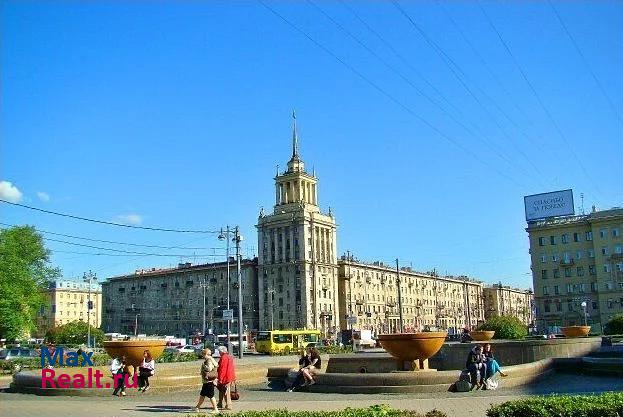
<point x="368" y="297"/>
<point x="297" y="261"/>
<point x="171" y="301"/>
<point x="576" y="261"/>
<point x="67" y="301"/>
<point x="506" y="301"/>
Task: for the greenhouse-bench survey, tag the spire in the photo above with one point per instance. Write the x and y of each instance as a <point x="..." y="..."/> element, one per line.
<point x="295" y="139"/>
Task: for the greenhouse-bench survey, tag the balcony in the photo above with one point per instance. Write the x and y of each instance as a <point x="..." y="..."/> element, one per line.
<point x="359" y="301"/>
<point x="390" y="303"/>
<point x="567" y="262"/>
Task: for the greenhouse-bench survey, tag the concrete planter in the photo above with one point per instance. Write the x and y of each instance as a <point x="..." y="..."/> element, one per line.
<point x="576" y="331"/>
<point x="482" y="335"/>
<point x="133" y="349"/>
<point x="412" y="346"/>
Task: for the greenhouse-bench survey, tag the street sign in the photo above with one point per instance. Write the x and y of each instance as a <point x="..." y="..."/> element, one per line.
<point x="228" y="315"/>
<point x="351" y="320"/>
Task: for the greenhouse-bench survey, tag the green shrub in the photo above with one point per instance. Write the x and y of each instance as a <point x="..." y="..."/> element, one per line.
<point x="603" y="405"/>
<point x="615" y="325"/>
<point x="381" y="410"/>
<point x="73" y="334"/>
<point x="505" y="327"/>
<point x="168" y="357"/>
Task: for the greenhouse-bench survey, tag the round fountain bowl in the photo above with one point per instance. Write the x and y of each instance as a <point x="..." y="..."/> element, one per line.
<point x="412" y="346"/>
<point x="482" y="335"/>
<point x="576" y="331"/>
<point x="133" y="349"/>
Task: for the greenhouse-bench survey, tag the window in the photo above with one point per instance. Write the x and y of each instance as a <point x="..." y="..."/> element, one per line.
<point x="610" y="303"/>
<point x="603" y="233"/>
<point x="569" y="288"/>
<point x="558" y="306"/>
<point x="591" y="253"/>
<point x="544" y="274"/>
<point x="576" y="237"/>
<point x="552" y="240"/>
<point x="569" y="305"/>
<point x="578" y="255"/>
<point x="579" y="271"/>
<point x="607" y="268"/>
<point x="567" y="272"/>
<point x="541" y="241"/>
<point x="545" y="291"/>
<point x="595" y="305"/>
<point x="555" y="257"/>
<point x="543" y="258"/>
<point x="582" y="287"/>
<point x="592" y="270"/>
<point x="565" y="238"/>
<point x="594" y="286"/>
<point x="609" y="286"/>
<point x="589" y="236"/>
<point x="556" y="273"/>
<point x="616" y="232"/>
<point x="618" y="249"/>
<point x="620" y="266"/>
<point x="546" y="305"/>
<point x="566" y="257"/>
<point x="604" y="250"/>
<point x="556" y="290"/>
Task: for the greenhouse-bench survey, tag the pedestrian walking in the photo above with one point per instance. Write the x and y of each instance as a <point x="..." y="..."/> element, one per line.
<point x="209" y="377"/>
<point x="147" y="369"/>
<point x="226" y="374"/>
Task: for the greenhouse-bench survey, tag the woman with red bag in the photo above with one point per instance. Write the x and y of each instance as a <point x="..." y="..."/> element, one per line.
<point x="226" y="375"/>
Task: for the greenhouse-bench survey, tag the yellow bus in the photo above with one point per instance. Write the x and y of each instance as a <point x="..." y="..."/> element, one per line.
<point x="285" y="341"/>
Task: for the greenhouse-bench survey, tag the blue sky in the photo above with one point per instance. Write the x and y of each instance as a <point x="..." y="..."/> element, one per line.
<point x="178" y="112"/>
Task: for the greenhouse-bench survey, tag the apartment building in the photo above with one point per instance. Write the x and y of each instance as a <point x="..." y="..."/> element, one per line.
<point x="502" y="300"/>
<point x="577" y="268"/>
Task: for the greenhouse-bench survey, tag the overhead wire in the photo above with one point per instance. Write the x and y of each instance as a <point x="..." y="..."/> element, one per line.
<point x="538" y="98"/>
<point x="454" y="67"/>
<point x="387" y="94"/>
<point x="586" y="63"/>
<point x="481" y="138"/>
<point x="107" y="222"/>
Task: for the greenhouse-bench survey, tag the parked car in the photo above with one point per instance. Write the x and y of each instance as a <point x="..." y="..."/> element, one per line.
<point x="15" y="353"/>
<point x="186" y="349"/>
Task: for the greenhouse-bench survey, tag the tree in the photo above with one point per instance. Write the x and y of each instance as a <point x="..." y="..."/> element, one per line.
<point x="73" y="334"/>
<point x="24" y="272"/>
<point x="505" y="327"/>
<point x="614" y="325"/>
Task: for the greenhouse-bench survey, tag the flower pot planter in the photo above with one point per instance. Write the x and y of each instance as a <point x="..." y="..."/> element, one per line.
<point x="576" y="331"/>
<point x="133" y="349"/>
<point x="482" y="335"/>
<point x="412" y="346"/>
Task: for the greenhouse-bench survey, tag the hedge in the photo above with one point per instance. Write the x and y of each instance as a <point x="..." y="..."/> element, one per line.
<point x="373" y="411"/>
<point x="16" y="365"/>
<point x="615" y="325"/>
<point x="609" y="404"/>
<point x="505" y="327"/>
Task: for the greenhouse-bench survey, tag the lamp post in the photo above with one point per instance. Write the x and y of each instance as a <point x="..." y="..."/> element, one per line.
<point x="584" y="308"/>
<point x="237" y="238"/>
<point x="89" y="277"/>
<point x="402" y="328"/>
<point x="204" y="285"/>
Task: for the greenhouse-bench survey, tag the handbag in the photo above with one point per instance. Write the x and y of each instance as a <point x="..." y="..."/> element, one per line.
<point x="234" y="394"/>
<point x="212" y="375"/>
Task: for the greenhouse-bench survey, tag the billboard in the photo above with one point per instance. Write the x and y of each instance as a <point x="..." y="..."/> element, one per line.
<point x="556" y="203"/>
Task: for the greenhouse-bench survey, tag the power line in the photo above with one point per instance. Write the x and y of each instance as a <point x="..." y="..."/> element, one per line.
<point x="481" y="138"/>
<point x="108" y="223"/>
<point x="585" y="61"/>
<point x="121" y="250"/>
<point x="538" y="97"/>
<point x="117" y="243"/>
<point x="454" y="67"/>
<point x="386" y="94"/>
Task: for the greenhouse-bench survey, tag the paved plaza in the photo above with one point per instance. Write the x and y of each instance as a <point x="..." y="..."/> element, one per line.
<point x="258" y="397"/>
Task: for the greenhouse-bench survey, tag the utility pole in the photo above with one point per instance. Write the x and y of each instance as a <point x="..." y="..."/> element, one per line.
<point x="204" y="285"/>
<point x="89" y="278"/>
<point x="237" y="239"/>
<point x="402" y="329"/>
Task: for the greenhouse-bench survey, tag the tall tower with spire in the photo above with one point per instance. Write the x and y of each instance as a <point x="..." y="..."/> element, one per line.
<point x="298" y="274"/>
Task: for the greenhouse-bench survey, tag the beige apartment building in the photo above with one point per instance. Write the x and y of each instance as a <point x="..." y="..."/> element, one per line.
<point x="170" y="301"/>
<point x="297" y="261"/>
<point x="368" y="297"/>
<point x="67" y="301"/>
<point x="503" y="300"/>
<point x="576" y="260"/>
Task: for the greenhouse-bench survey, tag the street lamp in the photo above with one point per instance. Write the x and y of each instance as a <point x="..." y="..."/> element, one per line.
<point x="237" y="238"/>
<point x="89" y="278"/>
<point x="584" y="308"/>
<point x="402" y="327"/>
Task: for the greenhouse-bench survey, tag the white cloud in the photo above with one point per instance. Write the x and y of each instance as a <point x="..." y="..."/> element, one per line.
<point x="9" y="192"/>
<point x="45" y="197"/>
<point x="132" y="219"/>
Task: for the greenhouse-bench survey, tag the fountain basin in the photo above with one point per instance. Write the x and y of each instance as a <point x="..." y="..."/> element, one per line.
<point x="133" y="349"/>
<point x="576" y="331"/>
<point x="482" y="335"/>
<point x="412" y="346"/>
